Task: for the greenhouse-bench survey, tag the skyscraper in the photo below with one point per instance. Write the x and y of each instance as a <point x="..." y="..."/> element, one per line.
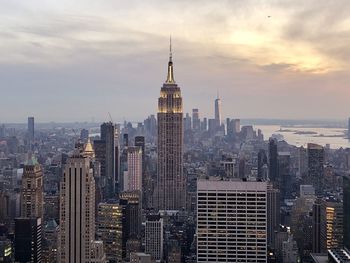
<point x="154" y="237"/>
<point x="132" y="217"/>
<point x="77" y="210"/>
<point x="328" y="223"/>
<point x="110" y="229"/>
<point x="28" y="240"/>
<point x="231" y="221"/>
<point x="284" y="175"/>
<point x="32" y="191"/>
<point x="170" y="193"/>
<point x="315" y="175"/>
<point x="273" y="160"/>
<point x="262" y="165"/>
<point x="273" y="214"/>
<point x="196" y="122"/>
<point x="218" y="111"/>
<point x="31" y="129"/>
<point x="106" y="154"/>
<point x="108" y="136"/>
<point x="140" y="142"/>
<point x="133" y="176"/>
<point x="334" y="221"/>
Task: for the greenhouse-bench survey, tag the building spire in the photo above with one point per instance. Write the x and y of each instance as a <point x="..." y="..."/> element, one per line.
<point x="170" y="51"/>
<point x="170" y="78"/>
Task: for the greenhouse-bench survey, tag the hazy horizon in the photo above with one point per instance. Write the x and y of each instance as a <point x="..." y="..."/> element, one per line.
<point x="68" y="61"/>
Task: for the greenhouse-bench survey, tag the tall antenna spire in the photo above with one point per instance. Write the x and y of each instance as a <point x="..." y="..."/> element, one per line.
<point x="170" y="78"/>
<point x="170" y="51"/>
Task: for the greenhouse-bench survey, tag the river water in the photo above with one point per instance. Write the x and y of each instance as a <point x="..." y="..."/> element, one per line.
<point x="300" y="136"/>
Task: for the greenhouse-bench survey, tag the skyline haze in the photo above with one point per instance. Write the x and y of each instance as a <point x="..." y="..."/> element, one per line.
<point x="269" y="59"/>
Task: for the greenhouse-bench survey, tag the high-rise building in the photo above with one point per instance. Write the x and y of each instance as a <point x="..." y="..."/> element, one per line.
<point x="262" y="165"/>
<point x="108" y="136"/>
<point x="28" y="237"/>
<point x="140" y="142"/>
<point x="31" y="129"/>
<point x="284" y="180"/>
<point x="154" y="237"/>
<point x="302" y="162"/>
<point x="273" y="214"/>
<point x="133" y="175"/>
<point x="328" y="223"/>
<point x="229" y="127"/>
<point x="349" y="128"/>
<point x="2" y="131"/>
<point x="110" y="229"/>
<point x="231" y="221"/>
<point x="334" y="221"/>
<point x="237" y="125"/>
<point x="212" y="128"/>
<point x="131" y="201"/>
<point x="315" y="175"/>
<point x="318" y="228"/>
<point x="132" y="217"/>
<point x="77" y="210"/>
<point x="218" y="111"/>
<point x="171" y="183"/>
<point x="204" y="125"/>
<point x="346" y="210"/>
<point x="187" y="122"/>
<point x="273" y="161"/>
<point x="105" y="151"/>
<point x="32" y="191"/>
<point x="196" y="122"/>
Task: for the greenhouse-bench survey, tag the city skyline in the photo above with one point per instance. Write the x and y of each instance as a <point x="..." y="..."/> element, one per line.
<point x="245" y="157"/>
<point x="260" y="52"/>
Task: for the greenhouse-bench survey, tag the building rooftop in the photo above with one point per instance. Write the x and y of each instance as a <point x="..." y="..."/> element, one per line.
<point x="231" y="185"/>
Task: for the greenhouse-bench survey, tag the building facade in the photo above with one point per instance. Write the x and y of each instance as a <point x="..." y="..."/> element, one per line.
<point x="77" y="210"/>
<point x="154" y="237"/>
<point x="110" y="229"/>
<point x="32" y="200"/>
<point x="28" y="239"/>
<point x="133" y="175"/>
<point x="231" y="221"/>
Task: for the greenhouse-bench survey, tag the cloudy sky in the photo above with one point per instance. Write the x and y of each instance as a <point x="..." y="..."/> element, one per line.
<point x="78" y="60"/>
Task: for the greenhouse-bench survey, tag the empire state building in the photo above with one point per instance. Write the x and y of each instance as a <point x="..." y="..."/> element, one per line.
<point x="171" y="191"/>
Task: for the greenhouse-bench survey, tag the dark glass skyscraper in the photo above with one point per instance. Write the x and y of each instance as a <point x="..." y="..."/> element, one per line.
<point x="315" y="175"/>
<point x="106" y="154"/>
<point x="28" y="240"/>
<point x="273" y="160"/>
<point x="171" y="194"/>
